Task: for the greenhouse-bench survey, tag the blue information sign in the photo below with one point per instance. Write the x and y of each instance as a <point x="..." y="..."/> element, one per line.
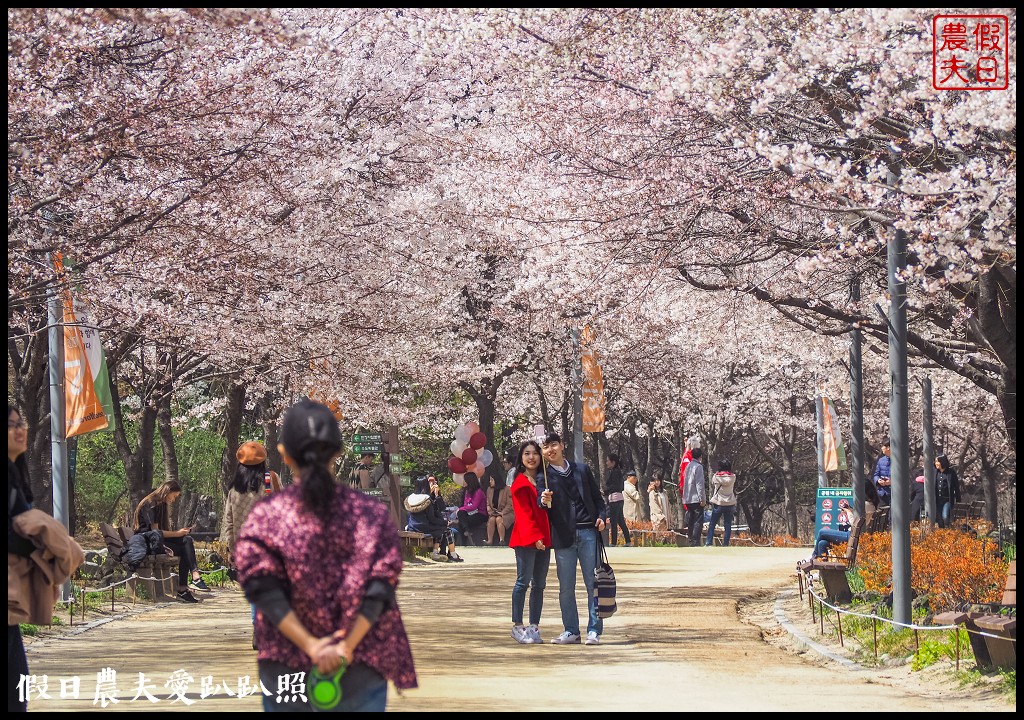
<point x="828" y="513"/>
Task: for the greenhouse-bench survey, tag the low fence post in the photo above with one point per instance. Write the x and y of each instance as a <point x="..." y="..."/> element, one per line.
<point x="839" y="622"/>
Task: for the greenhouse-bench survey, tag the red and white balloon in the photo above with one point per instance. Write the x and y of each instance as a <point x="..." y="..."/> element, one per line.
<point x="469" y="453"/>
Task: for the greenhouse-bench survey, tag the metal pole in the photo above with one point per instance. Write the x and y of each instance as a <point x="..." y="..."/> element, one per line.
<point x="58" y="443"/>
<point x="819" y="412"/>
<point x="898" y="429"/>
<point x="856" y="409"/>
<point x="928" y="449"/>
<point x="577" y="404"/>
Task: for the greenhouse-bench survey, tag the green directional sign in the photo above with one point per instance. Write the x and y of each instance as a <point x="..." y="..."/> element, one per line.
<point x="368" y="443"/>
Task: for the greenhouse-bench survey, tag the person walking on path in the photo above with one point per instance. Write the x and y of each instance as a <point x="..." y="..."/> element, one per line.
<point x="947" y="490"/>
<point x="882" y="476"/>
<point x="694" y="497"/>
<point x="321" y="562"/>
<point x="577" y="514"/>
<point x="253" y="480"/>
<point x="615" y="485"/>
<point x="658" y="499"/>
<point x="531" y="541"/>
<point x="153" y="513"/>
<point x="723" y="501"/>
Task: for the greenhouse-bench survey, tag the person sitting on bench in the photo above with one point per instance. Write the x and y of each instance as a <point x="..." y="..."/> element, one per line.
<point x="828" y="536"/>
<point x="153" y="513"/>
<point x="426" y="516"/>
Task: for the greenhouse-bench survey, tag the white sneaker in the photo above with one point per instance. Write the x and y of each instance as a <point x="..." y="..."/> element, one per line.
<point x="533" y="633"/>
<point x="519" y="634"/>
<point x="566" y="638"/>
<point x="593" y="638"/>
<point x="438" y="557"/>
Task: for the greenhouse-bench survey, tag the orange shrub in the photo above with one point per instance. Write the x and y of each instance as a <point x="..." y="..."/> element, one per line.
<point x="952" y="566"/>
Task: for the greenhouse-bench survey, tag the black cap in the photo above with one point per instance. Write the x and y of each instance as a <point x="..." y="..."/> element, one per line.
<point x="308" y="424"/>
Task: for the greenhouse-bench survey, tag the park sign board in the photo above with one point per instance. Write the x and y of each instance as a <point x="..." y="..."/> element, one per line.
<point x="827" y="510"/>
<point x="372" y="443"/>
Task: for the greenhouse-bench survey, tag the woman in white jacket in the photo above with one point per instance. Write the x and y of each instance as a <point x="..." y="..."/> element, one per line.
<point x="659" y="504"/>
<point x="723" y="501"/>
<point x="632" y="507"/>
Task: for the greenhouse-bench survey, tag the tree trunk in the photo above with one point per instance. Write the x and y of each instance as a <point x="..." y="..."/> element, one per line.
<point x="29" y="360"/>
<point x="271" y="432"/>
<point x="232" y="431"/>
<point x="138" y="463"/>
<point x="163" y="416"/>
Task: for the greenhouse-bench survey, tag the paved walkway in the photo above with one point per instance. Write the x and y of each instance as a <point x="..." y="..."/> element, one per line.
<point x="676" y="643"/>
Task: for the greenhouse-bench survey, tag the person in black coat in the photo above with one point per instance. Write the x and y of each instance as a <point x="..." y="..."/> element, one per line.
<point x="614" y="486"/>
<point x="947" y="490"/>
<point x="577" y="512"/>
<point x="426" y="509"/>
<point x="19" y="500"/>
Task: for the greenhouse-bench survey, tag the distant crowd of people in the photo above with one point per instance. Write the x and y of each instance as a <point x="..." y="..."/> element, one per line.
<point x="319" y="561"/>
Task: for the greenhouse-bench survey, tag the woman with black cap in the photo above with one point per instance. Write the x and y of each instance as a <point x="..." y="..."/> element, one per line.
<point x="321" y="562"/>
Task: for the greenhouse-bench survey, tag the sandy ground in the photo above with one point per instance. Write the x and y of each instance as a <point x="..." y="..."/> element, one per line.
<point x="697" y="629"/>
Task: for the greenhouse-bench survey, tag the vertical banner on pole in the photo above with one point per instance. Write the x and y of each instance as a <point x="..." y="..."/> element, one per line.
<point x="835" y="454"/>
<point x="593" y="384"/>
<point x="84" y="412"/>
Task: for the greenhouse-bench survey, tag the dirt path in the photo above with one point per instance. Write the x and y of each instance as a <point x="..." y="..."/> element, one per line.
<point x="696" y="630"/>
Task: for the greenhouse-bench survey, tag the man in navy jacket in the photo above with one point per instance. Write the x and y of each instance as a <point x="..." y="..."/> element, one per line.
<point x="578" y="513"/>
<point x="883" y="476"/>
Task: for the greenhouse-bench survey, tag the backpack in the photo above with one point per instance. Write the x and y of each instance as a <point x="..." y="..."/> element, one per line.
<point x="604" y="586"/>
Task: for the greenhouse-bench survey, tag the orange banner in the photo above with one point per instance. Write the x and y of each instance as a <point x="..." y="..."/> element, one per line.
<point x="593" y="384"/>
<point x="83" y="411"/>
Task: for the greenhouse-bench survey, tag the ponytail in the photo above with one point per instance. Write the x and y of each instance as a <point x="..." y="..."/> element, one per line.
<point x="317" y="482"/>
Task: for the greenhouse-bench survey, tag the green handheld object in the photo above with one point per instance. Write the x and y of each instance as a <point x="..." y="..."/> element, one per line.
<point x="325" y="690"/>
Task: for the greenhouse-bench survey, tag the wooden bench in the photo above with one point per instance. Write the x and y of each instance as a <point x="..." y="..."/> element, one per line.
<point x="415" y="539"/>
<point x="964" y="513"/>
<point x="162" y="568"/>
<point x="992" y="629"/>
<point x="832" y="568"/>
<point x="879" y="521"/>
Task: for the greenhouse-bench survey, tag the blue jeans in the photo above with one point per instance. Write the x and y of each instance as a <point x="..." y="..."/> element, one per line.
<point x="945" y="512"/>
<point x="363" y="690"/>
<point x="531" y="566"/>
<point x="828" y="537"/>
<point x="718" y="511"/>
<point x="584" y="552"/>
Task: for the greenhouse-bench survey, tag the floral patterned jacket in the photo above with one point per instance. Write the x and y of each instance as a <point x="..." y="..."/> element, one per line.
<point x="325" y="568"/>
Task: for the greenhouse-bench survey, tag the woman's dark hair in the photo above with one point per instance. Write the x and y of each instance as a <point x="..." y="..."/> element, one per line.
<point x="499" y="483"/>
<point x="311" y="437"/>
<point x="943" y="461"/>
<point x="472" y="482"/>
<point x="158" y="501"/>
<point x="520" y="468"/>
<point x="724" y="465"/>
<point x="21" y="462"/>
<point x="249" y="478"/>
<point x="614" y="458"/>
<point x="422" y="485"/>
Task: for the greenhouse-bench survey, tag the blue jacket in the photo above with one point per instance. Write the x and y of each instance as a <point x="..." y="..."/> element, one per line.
<point x="883" y="469"/>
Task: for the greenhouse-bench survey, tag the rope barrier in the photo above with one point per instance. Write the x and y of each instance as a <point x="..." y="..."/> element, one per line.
<point x="813" y="595"/>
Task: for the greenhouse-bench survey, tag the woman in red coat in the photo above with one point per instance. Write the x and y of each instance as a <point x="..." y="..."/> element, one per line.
<point x="531" y="540"/>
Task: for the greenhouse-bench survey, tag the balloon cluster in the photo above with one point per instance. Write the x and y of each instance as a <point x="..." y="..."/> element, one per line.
<point x="469" y="453"/>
